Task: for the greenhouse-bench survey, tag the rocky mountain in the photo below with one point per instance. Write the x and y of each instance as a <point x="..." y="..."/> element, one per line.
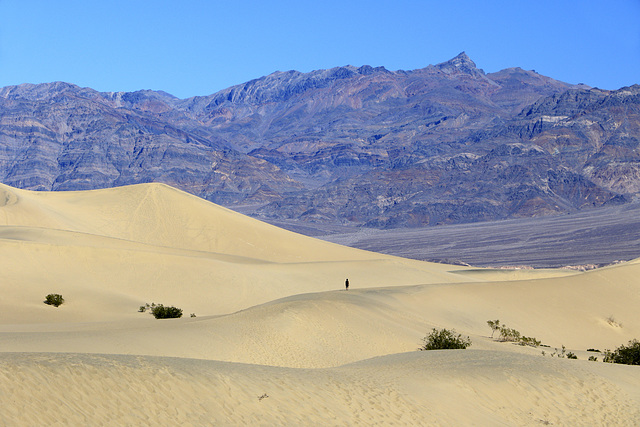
<point x="61" y="137"/>
<point x="361" y="145"/>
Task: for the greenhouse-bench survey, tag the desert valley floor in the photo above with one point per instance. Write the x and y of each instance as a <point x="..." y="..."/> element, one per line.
<point x="276" y="340"/>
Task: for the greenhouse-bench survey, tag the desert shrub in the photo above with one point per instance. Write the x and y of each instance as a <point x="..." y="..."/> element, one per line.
<point x="54" y="300"/>
<point x="161" y="312"/>
<point x="561" y="353"/>
<point x="530" y="341"/>
<point x="508" y="334"/>
<point x="628" y="355"/>
<point x="593" y="349"/>
<point x="564" y="353"/>
<point x="444" y="339"/>
<point x="494" y="325"/>
<point x="511" y="335"/>
<point x="593" y="358"/>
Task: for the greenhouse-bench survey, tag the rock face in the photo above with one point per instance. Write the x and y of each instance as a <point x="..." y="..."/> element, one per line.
<point x="61" y="137"/>
<point x="443" y="144"/>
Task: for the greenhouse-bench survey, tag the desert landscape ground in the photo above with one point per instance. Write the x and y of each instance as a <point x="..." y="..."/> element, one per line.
<point x="276" y="340"/>
<point x="589" y="238"/>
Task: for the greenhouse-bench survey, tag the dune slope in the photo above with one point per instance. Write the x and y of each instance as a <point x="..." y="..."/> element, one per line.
<point x="328" y="329"/>
<point x="420" y="388"/>
<point x="116" y="249"/>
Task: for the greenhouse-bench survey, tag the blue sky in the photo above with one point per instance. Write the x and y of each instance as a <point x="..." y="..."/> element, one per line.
<point x="196" y="47"/>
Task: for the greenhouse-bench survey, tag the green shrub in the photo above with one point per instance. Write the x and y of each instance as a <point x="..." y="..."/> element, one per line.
<point x="560" y="354"/>
<point x="508" y="334"/>
<point x="564" y="353"/>
<point x="494" y="325"/>
<point x="530" y="341"/>
<point x="511" y="335"/>
<point x="161" y="312"/>
<point x="628" y="355"/>
<point x="444" y="339"/>
<point x="54" y="300"/>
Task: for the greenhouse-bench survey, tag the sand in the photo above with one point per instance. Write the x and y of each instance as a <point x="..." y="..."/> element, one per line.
<point x="276" y="339"/>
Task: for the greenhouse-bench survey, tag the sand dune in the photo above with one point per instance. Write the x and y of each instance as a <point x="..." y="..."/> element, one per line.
<point x="326" y="329"/>
<point x="116" y="249"/>
<point x="419" y="388"/>
<point x="157" y="214"/>
<point x="272" y="317"/>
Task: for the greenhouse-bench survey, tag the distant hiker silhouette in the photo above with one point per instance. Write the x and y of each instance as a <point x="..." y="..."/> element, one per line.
<point x="346" y="284"/>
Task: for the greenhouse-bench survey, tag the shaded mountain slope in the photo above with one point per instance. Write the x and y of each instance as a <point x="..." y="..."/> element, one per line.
<point x="61" y="137"/>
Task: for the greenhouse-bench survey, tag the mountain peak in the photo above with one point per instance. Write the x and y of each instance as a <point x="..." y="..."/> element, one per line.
<point x="460" y="64"/>
<point x="463" y="58"/>
<point x="40" y="91"/>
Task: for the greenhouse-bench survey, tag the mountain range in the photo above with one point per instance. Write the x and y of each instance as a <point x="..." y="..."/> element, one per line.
<point x="447" y="143"/>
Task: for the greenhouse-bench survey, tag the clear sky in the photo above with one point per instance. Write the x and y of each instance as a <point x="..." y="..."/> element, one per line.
<point x="197" y="47"/>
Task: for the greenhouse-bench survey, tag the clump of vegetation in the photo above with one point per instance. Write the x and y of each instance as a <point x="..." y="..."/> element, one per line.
<point x="162" y="312"/>
<point x="530" y="341"/>
<point x="55" y="300"/>
<point x="563" y="353"/>
<point x="593" y="358"/>
<point x="593" y="349"/>
<point x="445" y="339"/>
<point x="628" y="355"/>
<point x="494" y="325"/>
<point x="511" y="335"/>
<point x="159" y="311"/>
<point x="613" y="322"/>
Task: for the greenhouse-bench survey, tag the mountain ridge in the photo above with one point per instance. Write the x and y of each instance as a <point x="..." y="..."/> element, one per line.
<point x="447" y="143"/>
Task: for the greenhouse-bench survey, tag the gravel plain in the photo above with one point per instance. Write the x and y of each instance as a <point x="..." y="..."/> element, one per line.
<point x="588" y="238"/>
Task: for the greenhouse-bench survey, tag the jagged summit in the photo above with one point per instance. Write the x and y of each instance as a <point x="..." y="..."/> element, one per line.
<point x="280" y="86"/>
<point x="462" y="58"/>
<point x="460" y="64"/>
<point x="283" y="85"/>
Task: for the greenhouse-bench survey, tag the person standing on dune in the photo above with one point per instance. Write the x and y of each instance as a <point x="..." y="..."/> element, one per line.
<point x="346" y="284"/>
